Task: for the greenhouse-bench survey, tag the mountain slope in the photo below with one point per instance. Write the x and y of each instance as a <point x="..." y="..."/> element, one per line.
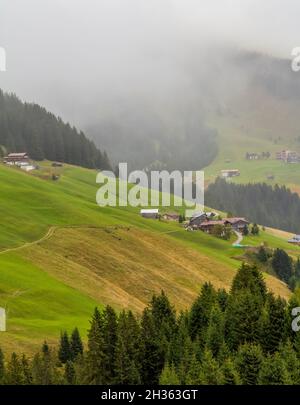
<point x="94" y="256"/>
<point x="30" y="128"/>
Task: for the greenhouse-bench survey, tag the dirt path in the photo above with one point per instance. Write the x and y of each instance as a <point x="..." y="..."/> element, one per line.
<point x="48" y="235"/>
<point x="239" y="238"/>
<point x="51" y="232"/>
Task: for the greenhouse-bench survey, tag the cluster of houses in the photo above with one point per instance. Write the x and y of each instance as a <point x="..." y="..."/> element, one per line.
<point x="295" y="240"/>
<point x="206" y="221"/>
<point x="21" y="160"/>
<point x="257" y="156"/>
<point x="288" y="156"/>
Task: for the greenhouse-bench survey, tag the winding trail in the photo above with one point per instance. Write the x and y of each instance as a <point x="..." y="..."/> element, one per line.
<point x="239" y="238"/>
<point x="48" y="235"/>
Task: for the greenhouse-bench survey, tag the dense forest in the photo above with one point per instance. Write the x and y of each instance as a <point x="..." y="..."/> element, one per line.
<point x="30" y="128"/>
<point x="243" y="336"/>
<point x="276" y="206"/>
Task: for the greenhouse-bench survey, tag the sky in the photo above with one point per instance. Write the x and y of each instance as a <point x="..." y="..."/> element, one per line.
<point x="82" y="58"/>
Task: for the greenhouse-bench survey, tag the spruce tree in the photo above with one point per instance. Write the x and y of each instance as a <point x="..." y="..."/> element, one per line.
<point x="230" y="373"/>
<point x="273" y="328"/>
<point x="76" y="346"/>
<point x="273" y="371"/>
<point x="168" y="376"/>
<point x="110" y="327"/>
<point x="96" y="357"/>
<point x="200" y="312"/>
<point x="14" y="373"/>
<point x="151" y="356"/>
<point x="248" y="361"/>
<point x="292" y="364"/>
<point x="282" y="265"/>
<point x="126" y="365"/>
<point x="70" y="373"/>
<point x="215" y="331"/>
<point x="210" y="371"/>
<point x="64" y="351"/>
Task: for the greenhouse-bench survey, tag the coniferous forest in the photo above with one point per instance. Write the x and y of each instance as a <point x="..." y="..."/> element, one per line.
<point x="277" y="206"/>
<point x="243" y="336"/>
<point x="26" y="127"/>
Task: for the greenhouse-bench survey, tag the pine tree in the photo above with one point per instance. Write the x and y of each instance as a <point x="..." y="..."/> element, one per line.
<point x="273" y="371"/>
<point x="231" y="375"/>
<point x="262" y="255"/>
<point x="151" y="356"/>
<point x="44" y="370"/>
<point x="210" y="371"/>
<point x="126" y="353"/>
<point x="248" y="361"/>
<point x="215" y="331"/>
<point x="292" y="364"/>
<point x="282" y="265"/>
<point x="76" y="346"/>
<point x="168" y="376"/>
<point x="70" y="373"/>
<point x="255" y="229"/>
<point x="200" y="312"/>
<point x="193" y="376"/>
<point x="64" y="351"/>
<point x="96" y="357"/>
<point x="14" y="373"/>
<point x="110" y="327"/>
<point x="26" y="370"/>
<point x="273" y="327"/>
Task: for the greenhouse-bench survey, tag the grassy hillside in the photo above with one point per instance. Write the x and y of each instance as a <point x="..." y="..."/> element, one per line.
<point x="61" y="255"/>
<point x="234" y="141"/>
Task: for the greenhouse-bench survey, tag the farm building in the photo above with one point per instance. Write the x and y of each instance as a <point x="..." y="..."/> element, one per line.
<point x="2" y="320"/>
<point x="16" y="158"/>
<point x="295" y="240"/>
<point x="288" y="156"/>
<point x="230" y="173"/>
<point x="237" y="224"/>
<point x="199" y="217"/>
<point x="208" y="226"/>
<point x="171" y="216"/>
<point x="150" y="213"/>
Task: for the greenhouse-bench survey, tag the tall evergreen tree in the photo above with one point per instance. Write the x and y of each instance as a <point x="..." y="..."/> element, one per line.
<point x="273" y="371"/>
<point x="64" y="351"/>
<point x="76" y="345"/>
<point x="200" y="312"/>
<point x="282" y="265"/>
<point x="248" y="361"/>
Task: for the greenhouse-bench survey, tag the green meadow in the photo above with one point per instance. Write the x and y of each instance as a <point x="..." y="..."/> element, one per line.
<point x="51" y="280"/>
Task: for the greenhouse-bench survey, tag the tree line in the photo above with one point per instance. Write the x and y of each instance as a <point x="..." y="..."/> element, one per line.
<point x="243" y="336"/>
<point x="277" y="206"/>
<point x="30" y="128"/>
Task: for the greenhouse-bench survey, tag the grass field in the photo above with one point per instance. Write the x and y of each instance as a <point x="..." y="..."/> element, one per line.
<point x="95" y="256"/>
<point x="234" y="143"/>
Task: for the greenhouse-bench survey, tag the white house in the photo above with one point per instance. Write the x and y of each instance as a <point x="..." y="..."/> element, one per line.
<point x="2" y="320"/>
<point x="150" y="213"/>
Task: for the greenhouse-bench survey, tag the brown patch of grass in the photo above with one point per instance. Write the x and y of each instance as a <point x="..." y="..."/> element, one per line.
<point x="124" y="268"/>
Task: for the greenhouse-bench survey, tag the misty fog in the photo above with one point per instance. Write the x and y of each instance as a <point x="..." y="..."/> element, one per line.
<point x="142" y="77"/>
